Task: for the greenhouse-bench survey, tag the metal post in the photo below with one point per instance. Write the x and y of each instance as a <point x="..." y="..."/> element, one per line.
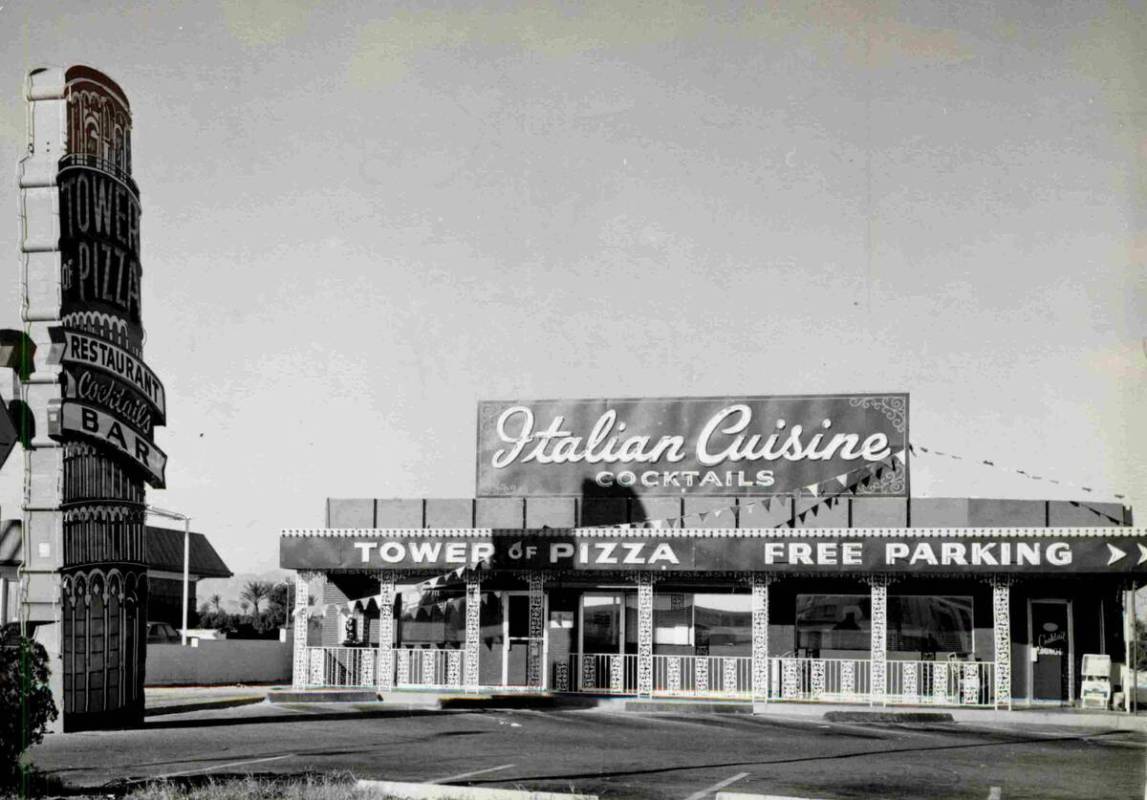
<point x="186" y="568"/>
<point x="1134" y="653"/>
<point x="1128" y="629"/>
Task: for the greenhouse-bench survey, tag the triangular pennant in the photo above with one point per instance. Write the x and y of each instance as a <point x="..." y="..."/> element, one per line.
<point x="911" y="449"/>
<point x="814" y="510"/>
<point x="702" y="515"/>
<point x="801" y="516"/>
<point x="811" y="489"/>
<point x="717" y="513"/>
<point x="657" y="524"/>
<point x="900" y="456"/>
<point x="767" y="503"/>
<point x="842" y="479"/>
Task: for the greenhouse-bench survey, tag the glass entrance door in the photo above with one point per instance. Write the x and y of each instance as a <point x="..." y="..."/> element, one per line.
<point x="1051" y="650"/>
<point x="517" y="638"/>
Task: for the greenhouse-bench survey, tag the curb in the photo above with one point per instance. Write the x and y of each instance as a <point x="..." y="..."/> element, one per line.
<point x="323" y="696"/>
<point x="433" y="791"/>
<point x="888" y="717"/>
<point x="204" y="705"/>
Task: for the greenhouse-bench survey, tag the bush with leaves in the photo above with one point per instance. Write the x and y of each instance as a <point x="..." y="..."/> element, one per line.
<point x="26" y="705"/>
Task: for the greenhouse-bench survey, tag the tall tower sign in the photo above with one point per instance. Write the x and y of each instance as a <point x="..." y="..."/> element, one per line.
<point x="92" y="402"/>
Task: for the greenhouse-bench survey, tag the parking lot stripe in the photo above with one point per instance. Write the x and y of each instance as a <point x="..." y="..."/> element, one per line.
<point x="717" y="786"/>
<point x="462" y="775"/>
<point x="222" y="766"/>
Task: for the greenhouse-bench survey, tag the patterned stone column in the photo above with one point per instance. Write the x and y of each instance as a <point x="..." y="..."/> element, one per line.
<point x="1002" y="630"/>
<point x="760" y="589"/>
<point x="879" y="646"/>
<point x="535" y="668"/>
<point x="384" y="676"/>
<point x="300" y="667"/>
<point x="644" y="634"/>
<point x="473" y="630"/>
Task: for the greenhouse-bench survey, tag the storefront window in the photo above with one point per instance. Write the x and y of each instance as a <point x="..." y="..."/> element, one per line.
<point x="930" y="625"/>
<point x="833" y="622"/>
<point x="918" y="625"/>
<point x="702" y="624"/>
<point x="433" y="618"/>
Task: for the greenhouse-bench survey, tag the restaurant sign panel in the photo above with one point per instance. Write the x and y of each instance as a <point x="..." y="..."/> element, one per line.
<point x="569" y="550"/>
<point x="692" y="446"/>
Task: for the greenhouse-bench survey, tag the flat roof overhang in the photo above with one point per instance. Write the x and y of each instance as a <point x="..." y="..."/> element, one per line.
<point x="1114" y="551"/>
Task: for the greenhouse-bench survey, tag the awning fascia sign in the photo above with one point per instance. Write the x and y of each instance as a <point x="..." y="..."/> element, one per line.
<point x="1045" y="551"/>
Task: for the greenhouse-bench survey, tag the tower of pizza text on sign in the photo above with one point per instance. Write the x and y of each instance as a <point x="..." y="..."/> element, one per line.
<point x="91" y="402"/>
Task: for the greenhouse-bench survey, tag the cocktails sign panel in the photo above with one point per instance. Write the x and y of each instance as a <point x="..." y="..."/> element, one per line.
<point x="697" y="446"/>
<point x="569" y="550"/>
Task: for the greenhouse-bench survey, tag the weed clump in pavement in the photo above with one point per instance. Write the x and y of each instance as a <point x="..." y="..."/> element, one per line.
<point x="337" y="786"/>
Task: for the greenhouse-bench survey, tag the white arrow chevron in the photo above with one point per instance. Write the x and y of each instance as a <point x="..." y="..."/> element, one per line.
<point x="1116" y="554"/>
<point x="1142" y="553"/>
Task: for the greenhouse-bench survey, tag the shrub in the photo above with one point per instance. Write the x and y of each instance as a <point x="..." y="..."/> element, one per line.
<point x="26" y="706"/>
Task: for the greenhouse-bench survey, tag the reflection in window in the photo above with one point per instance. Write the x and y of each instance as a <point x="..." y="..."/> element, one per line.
<point x="923" y="625"/>
<point x="833" y="622"/>
<point x="432" y="618"/>
<point x="702" y="624"/>
<point x="929" y="625"/>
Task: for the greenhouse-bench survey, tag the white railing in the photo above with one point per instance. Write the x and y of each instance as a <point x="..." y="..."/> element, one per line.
<point x="341" y="667"/>
<point x="725" y="676"/>
<point x="941" y="683"/>
<point x="833" y="680"/>
<point x="428" y="668"/>
<point x="604" y="673"/>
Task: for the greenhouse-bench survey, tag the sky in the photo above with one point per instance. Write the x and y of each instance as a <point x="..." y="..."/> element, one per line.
<point x="360" y="219"/>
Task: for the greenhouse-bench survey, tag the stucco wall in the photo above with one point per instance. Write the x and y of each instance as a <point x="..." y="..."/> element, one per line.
<point x="216" y="662"/>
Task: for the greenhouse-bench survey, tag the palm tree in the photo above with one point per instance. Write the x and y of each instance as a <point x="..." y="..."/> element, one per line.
<point x="256" y="592"/>
<point x="217" y="602"/>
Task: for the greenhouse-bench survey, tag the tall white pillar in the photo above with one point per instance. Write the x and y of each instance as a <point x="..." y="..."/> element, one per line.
<point x="879" y="646"/>
<point x="300" y="666"/>
<point x="535" y="653"/>
<point x="473" y="630"/>
<point x="644" y="634"/>
<point x="760" y="590"/>
<point x="1002" y="638"/>
<point x="384" y="676"/>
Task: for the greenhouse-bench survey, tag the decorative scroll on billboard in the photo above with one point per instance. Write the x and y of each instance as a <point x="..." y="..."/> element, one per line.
<point x="986" y="553"/>
<point x="700" y="446"/>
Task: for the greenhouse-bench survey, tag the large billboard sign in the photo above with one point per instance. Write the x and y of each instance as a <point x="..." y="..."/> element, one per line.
<point x="692" y="446"/>
<point x="99" y="240"/>
<point x="842" y="553"/>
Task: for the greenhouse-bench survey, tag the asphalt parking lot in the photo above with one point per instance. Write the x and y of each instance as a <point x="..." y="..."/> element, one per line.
<point x="613" y="754"/>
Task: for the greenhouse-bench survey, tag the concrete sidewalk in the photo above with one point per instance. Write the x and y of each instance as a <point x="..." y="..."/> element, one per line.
<point x="159" y="700"/>
<point x="177" y="700"/>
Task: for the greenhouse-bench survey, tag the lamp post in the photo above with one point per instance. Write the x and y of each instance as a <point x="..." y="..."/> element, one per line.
<point x="159" y="512"/>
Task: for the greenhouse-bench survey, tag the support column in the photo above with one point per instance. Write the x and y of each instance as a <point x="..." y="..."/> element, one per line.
<point x="879" y="647"/>
<point x="300" y="666"/>
<point x="535" y="668"/>
<point x="1002" y="638"/>
<point x="473" y="630"/>
<point x="644" y="634"/>
<point x="761" y="669"/>
<point x="384" y="676"/>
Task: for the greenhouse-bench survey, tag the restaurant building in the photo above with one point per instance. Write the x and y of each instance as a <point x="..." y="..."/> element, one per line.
<point x="763" y="548"/>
